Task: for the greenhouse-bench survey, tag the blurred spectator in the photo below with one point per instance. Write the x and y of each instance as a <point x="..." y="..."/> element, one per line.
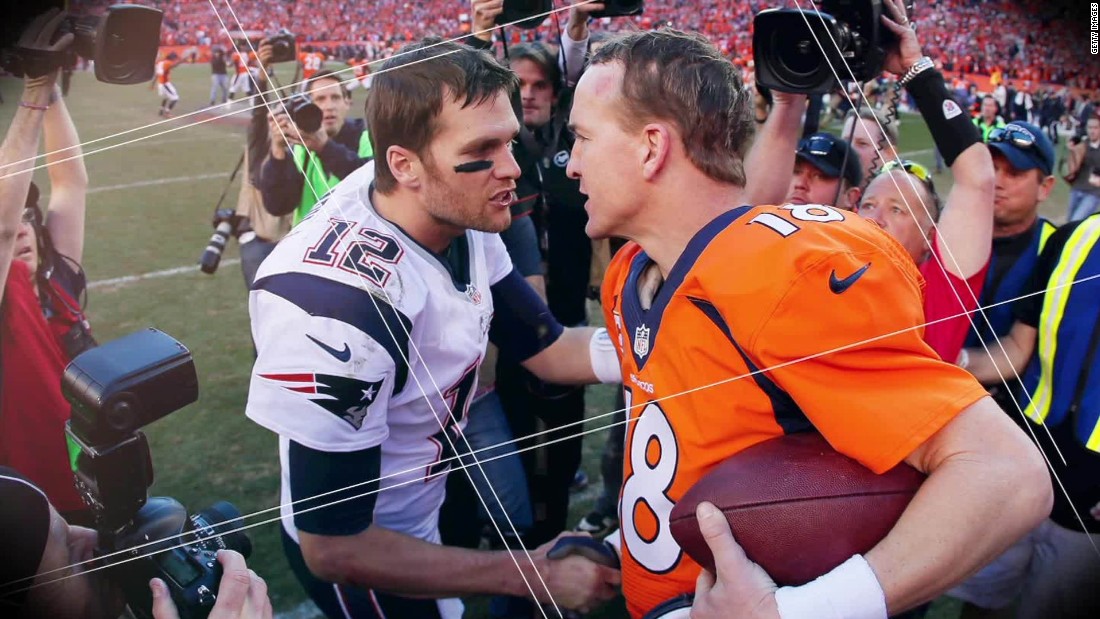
<point x="219" y="76"/>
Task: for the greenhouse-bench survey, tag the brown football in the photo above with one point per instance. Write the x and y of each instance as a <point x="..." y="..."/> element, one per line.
<point x="798" y="507"/>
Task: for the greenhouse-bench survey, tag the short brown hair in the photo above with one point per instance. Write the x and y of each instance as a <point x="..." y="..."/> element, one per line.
<point x="683" y="79"/>
<point x="407" y="95"/>
<point x="889" y="129"/>
<point x="329" y="75"/>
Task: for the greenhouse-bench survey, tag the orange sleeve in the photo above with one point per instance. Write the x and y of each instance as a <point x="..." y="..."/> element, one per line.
<point x="856" y="362"/>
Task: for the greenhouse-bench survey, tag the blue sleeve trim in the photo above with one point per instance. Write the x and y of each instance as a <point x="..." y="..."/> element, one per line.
<point x="522" y="324"/>
<point x="334" y="493"/>
<point x="357" y="307"/>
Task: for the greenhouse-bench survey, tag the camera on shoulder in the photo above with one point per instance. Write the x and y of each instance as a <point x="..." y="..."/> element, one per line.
<point x="123" y="44"/>
<point x="807" y="51"/>
<point x="115" y="390"/>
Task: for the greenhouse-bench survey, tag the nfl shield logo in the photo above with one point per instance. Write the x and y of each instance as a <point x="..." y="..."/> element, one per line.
<point x="474" y="294"/>
<point x="641" y="341"/>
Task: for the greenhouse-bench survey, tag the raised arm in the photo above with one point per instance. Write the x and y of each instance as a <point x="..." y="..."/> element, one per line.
<point x="68" y="180"/>
<point x="17" y="153"/>
<point x="770" y="162"/>
<point x="966" y="224"/>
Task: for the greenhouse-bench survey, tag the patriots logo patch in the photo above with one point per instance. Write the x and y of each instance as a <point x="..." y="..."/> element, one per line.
<point x="347" y="398"/>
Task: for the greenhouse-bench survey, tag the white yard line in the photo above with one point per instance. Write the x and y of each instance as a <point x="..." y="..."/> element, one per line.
<point x="130" y="279"/>
<point x="158" y="181"/>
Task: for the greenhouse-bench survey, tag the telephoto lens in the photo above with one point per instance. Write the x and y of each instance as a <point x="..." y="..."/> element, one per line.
<point x="212" y="255"/>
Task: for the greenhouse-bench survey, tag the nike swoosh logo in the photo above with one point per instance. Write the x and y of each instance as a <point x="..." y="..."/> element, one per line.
<point x="839" y="286"/>
<point x="341" y="355"/>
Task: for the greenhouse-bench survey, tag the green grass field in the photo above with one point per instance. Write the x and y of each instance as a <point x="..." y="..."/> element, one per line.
<point x="149" y="211"/>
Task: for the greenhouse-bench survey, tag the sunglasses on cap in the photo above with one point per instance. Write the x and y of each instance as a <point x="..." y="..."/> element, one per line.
<point x="1017" y="137"/>
<point x="818" y="145"/>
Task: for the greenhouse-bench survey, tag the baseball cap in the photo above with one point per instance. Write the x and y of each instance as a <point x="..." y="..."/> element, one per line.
<point x="832" y="155"/>
<point x="1024" y="145"/>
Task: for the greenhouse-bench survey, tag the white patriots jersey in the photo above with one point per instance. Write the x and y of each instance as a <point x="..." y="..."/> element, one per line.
<point x="364" y="339"/>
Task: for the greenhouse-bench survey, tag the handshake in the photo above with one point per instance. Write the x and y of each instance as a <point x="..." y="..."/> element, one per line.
<point x="581" y="572"/>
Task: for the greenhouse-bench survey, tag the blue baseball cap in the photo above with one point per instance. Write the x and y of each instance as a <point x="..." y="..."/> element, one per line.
<point x="832" y="155"/>
<point x="1024" y="145"/>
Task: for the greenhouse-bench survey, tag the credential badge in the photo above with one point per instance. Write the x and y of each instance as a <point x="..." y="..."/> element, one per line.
<point x="641" y="341"/>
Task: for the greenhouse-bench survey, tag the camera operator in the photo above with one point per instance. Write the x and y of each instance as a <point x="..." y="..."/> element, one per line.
<point x="324" y="157"/>
<point x="826" y="171"/>
<point x="42" y="325"/>
<point x="39" y="548"/>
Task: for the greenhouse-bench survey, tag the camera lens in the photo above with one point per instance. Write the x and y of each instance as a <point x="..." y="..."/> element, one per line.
<point x="218" y="518"/>
<point x="800" y="58"/>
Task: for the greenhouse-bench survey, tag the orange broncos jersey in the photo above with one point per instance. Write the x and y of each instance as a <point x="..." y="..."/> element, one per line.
<point x="164" y="71"/>
<point x="824" y="301"/>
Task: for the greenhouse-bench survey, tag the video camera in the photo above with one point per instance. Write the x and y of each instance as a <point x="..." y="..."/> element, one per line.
<point x="123" y="43"/>
<point x="283" y="47"/>
<point x="524" y="11"/>
<point x="787" y="45"/>
<point x="114" y="390"/>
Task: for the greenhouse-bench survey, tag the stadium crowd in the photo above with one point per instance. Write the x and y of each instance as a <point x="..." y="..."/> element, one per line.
<point x="481" y="227"/>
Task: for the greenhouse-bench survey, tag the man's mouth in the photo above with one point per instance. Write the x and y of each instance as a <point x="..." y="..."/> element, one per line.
<point x="503" y="199"/>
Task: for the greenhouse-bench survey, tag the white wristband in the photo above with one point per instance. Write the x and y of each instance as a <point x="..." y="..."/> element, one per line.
<point x="964" y="359"/>
<point x="850" y="591"/>
<point x="605" y="361"/>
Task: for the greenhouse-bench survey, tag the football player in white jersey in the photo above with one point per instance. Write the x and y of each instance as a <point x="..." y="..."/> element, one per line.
<point x="370" y="321"/>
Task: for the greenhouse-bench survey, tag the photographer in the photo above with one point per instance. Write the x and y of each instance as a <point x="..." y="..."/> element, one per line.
<point x="40" y="548"/>
<point x="42" y="325"/>
<point x="1084" y="172"/>
<point x="259" y="229"/>
<point x="322" y="157"/>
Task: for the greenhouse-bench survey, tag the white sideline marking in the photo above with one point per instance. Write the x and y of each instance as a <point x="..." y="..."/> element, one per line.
<point x="158" y="181"/>
<point x="130" y="279"/>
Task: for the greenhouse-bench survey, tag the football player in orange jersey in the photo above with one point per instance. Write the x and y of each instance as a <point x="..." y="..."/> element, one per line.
<point x="708" y="292"/>
<point x="169" y="97"/>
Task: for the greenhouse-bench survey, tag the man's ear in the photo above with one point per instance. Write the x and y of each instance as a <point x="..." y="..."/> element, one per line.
<point x="655" y="149"/>
<point x="405" y="165"/>
<point x="1045" y="187"/>
<point x="851" y="198"/>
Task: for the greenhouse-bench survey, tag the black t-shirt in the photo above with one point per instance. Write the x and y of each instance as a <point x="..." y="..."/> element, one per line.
<point x="1081" y="473"/>
<point x="568" y="248"/>
<point x="1006" y="251"/>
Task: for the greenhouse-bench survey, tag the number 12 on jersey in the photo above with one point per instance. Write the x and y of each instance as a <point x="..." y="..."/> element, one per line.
<point x="646" y="506"/>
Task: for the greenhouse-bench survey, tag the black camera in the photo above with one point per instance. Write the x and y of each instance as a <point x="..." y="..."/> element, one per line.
<point x="620" y="8"/>
<point x="283" y="47"/>
<point x="226" y="221"/>
<point x="799" y="51"/>
<point x="524" y="12"/>
<point x="304" y="112"/>
<point x="114" y="390"/>
<point x="122" y="42"/>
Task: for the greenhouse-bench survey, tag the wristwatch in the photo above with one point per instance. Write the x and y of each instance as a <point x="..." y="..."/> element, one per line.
<point x="925" y="63"/>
